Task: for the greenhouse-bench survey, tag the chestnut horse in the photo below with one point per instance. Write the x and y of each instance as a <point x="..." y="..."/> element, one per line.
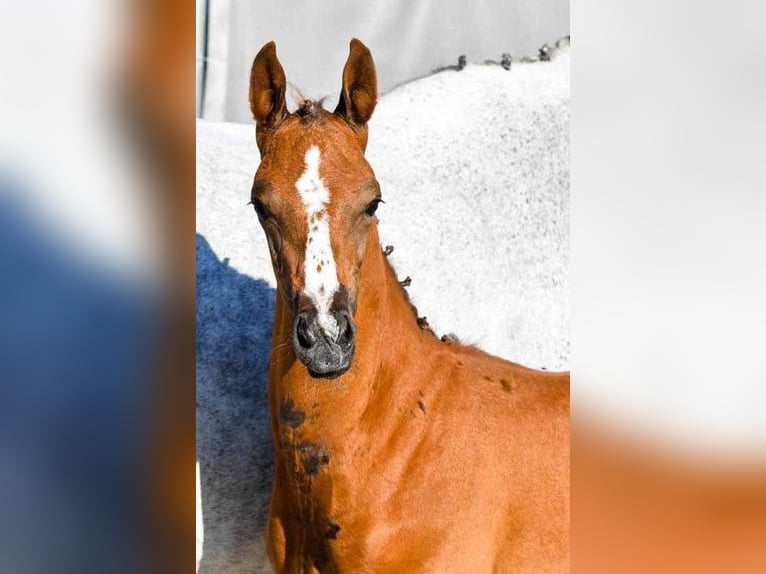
<point x="395" y="451"/>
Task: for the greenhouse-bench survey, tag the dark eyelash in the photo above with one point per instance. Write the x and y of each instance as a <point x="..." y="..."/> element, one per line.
<point x="372" y="207"/>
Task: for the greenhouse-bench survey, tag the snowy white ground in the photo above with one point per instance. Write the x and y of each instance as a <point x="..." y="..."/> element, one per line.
<point x="474" y="168"/>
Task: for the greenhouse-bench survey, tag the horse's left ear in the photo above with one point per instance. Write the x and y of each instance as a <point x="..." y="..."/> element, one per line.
<point x="359" y="93"/>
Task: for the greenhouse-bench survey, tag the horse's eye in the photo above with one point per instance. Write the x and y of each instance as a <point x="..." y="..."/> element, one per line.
<point x="372" y="207"/>
<point x="260" y="209"/>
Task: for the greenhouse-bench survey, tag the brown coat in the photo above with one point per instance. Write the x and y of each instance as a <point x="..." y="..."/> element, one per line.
<point x="419" y="455"/>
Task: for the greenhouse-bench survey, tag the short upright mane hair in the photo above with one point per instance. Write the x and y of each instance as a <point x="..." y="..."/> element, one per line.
<point x="311" y="109"/>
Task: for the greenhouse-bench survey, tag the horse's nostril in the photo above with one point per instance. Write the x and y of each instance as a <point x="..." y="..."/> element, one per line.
<point x="346" y="328"/>
<point x="305" y="337"/>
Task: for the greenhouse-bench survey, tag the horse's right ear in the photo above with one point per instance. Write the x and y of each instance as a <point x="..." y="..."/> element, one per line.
<point x="267" y="88"/>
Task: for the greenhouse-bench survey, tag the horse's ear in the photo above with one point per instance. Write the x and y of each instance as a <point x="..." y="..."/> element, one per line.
<point x="359" y="93"/>
<point x="267" y="88"/>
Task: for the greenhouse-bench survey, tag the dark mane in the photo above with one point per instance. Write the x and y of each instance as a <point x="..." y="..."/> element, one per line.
<point x="311" y="109"/>
<point x="422" y="321"/>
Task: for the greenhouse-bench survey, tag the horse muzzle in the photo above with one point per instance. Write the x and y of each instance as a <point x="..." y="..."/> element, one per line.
<point x="325" y="342"/>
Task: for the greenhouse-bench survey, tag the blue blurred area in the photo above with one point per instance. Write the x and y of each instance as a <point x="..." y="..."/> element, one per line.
<point x="75" y="358"/>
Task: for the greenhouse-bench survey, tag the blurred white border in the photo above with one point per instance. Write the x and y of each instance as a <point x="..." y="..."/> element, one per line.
<point x="61" y="139"/>
<point x="668" y="208"/>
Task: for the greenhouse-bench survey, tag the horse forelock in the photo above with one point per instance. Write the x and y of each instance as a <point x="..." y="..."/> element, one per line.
<point x="311" y="109"/>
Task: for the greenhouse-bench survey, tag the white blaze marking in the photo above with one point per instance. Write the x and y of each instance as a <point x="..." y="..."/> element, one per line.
<point x="321" y="281"/>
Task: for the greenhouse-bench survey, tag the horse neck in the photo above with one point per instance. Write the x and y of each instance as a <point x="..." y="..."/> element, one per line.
<point x="388" y="340"/>
<point x="388" y="335"/>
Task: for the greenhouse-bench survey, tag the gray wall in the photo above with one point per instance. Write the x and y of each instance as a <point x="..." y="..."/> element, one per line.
<point x="408" y="39"/>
